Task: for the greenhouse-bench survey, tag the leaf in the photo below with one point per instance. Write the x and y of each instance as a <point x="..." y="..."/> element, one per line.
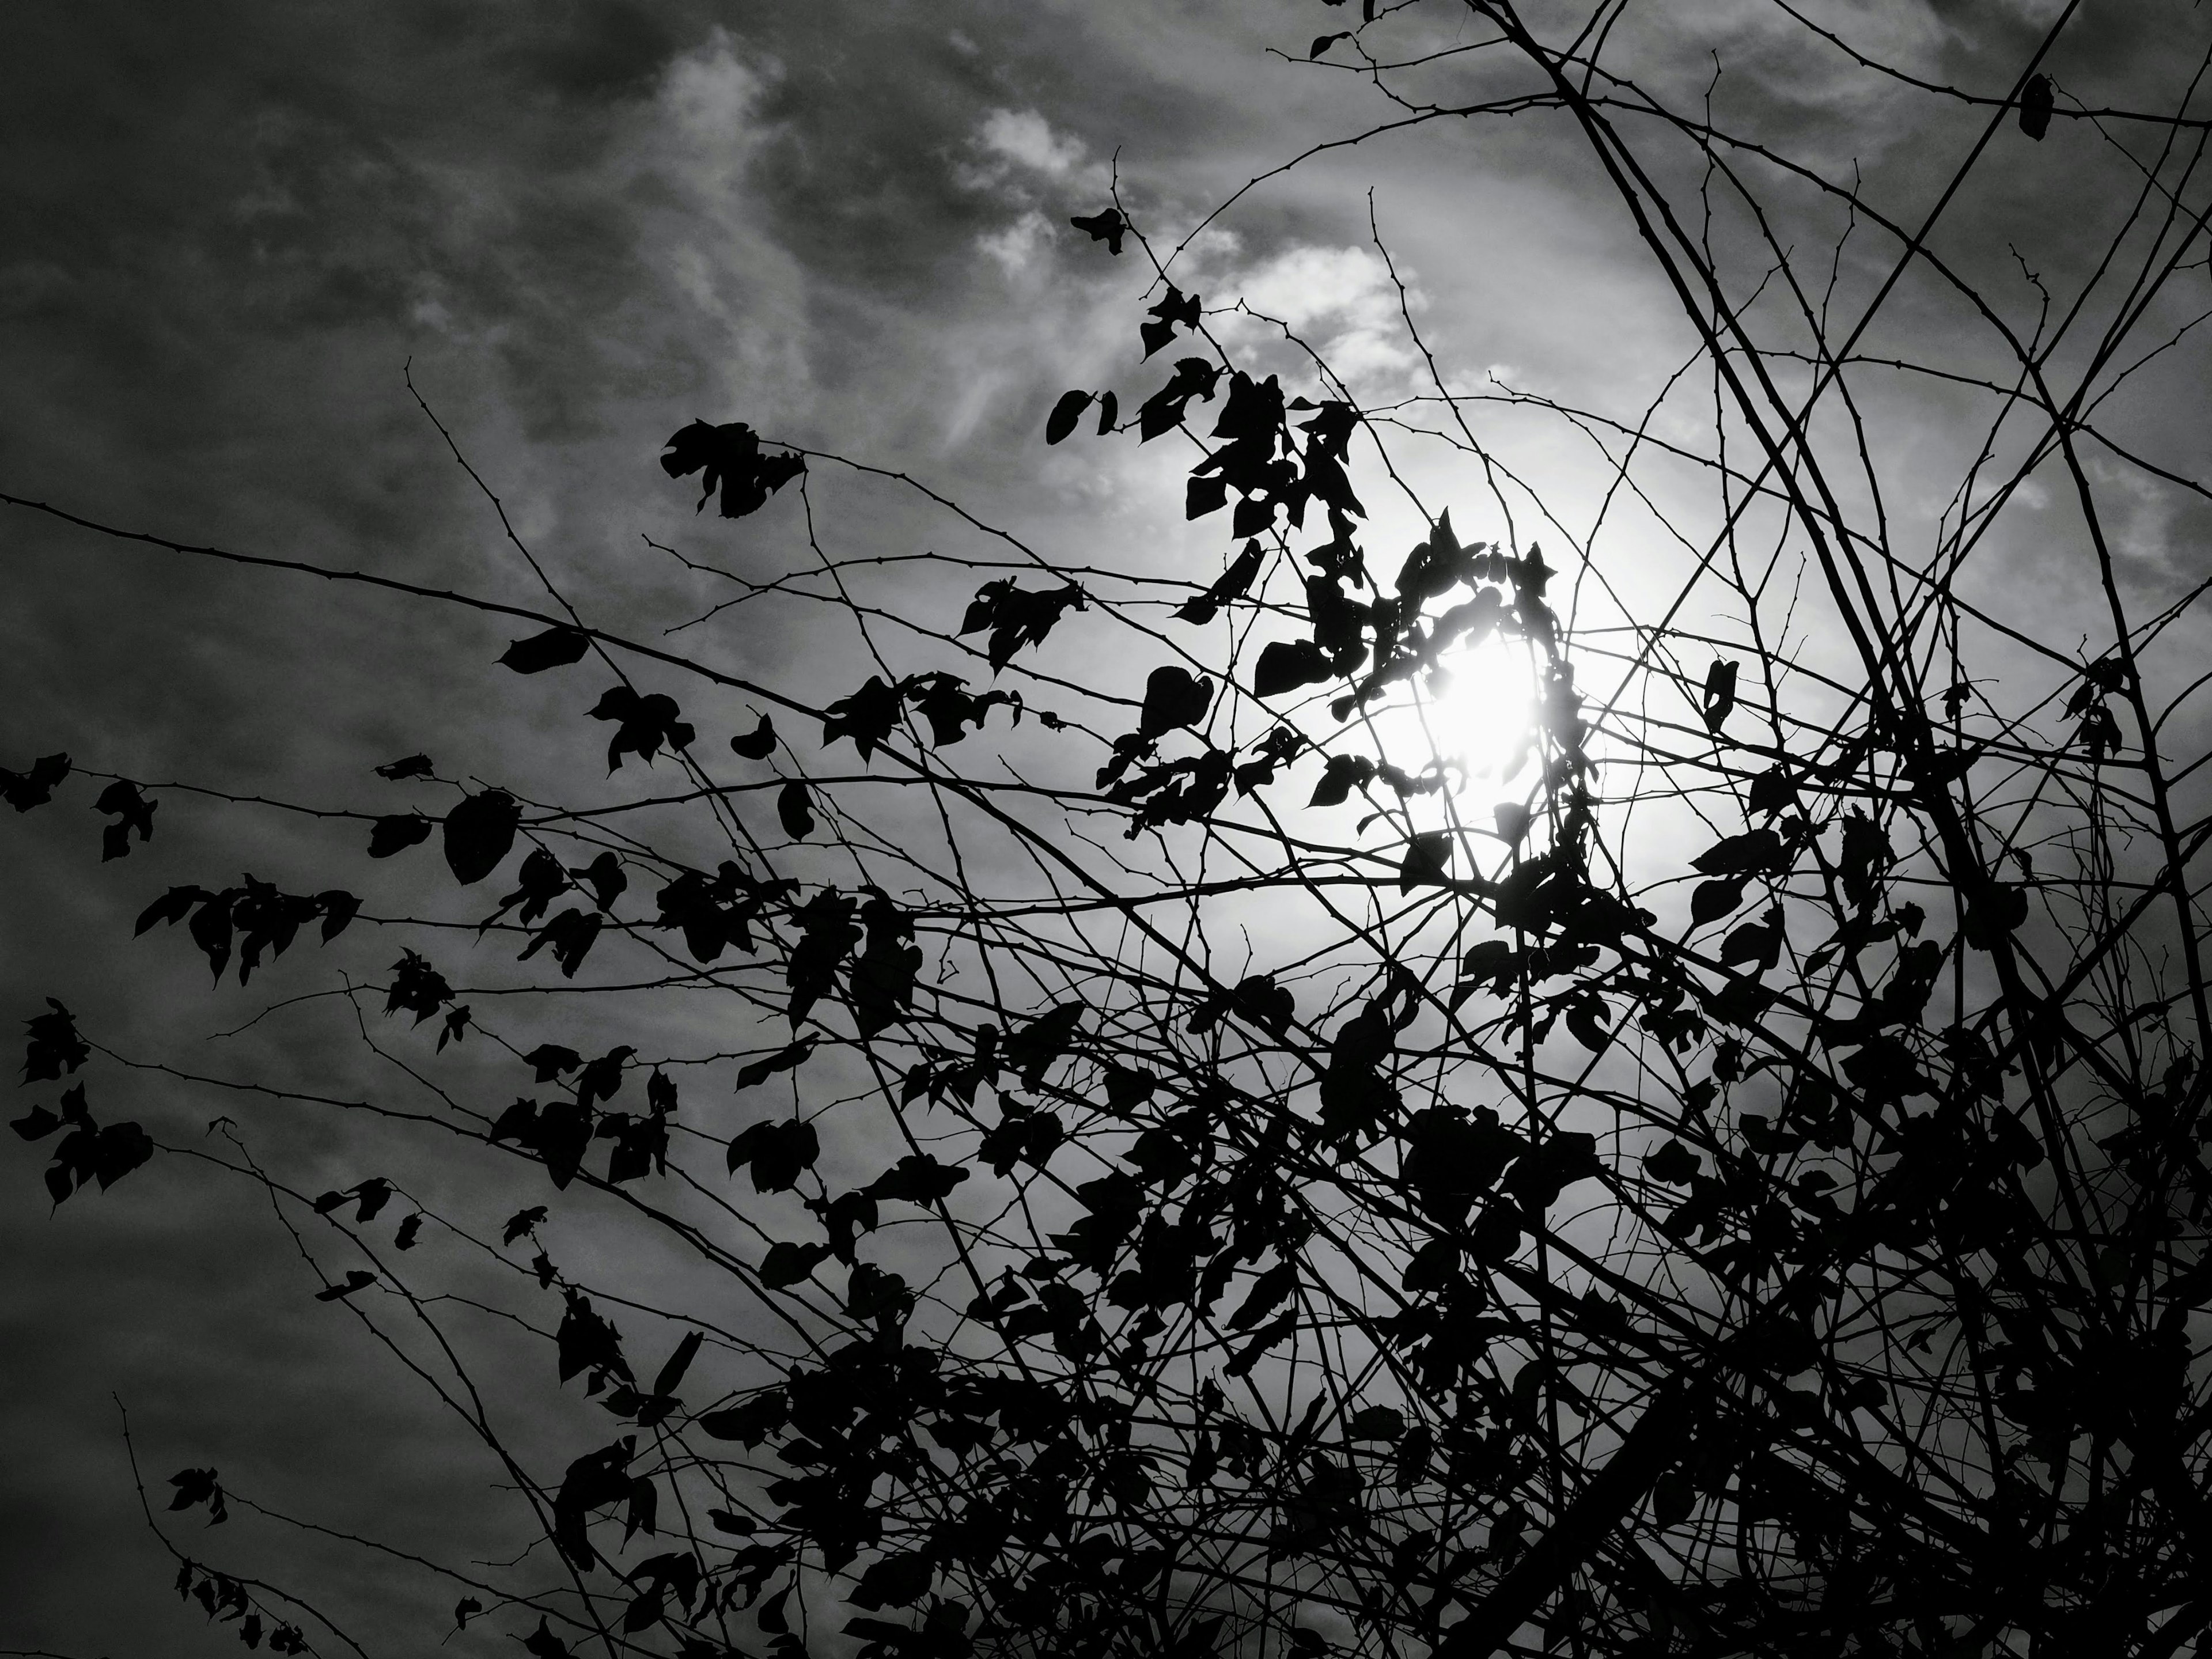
<point x="1377" y="1422"/>
<point x="1754" y="853"/>
<point x="522" y="1223"/>
<point x="571" y="935"/>
<point x="777" y="1152"/>
<point x="917" y="1178"/>
<point x="479" y="834"/>
<point x="25" y="790"/>
<point x="1586" y="1023"/>
<point x="409" y="1229"/>
<point x="750" y="1423"/>
<point x="757" y="744"/>
<point x="671" y="1375"/>
<point x="54" y="1045"/>
<point x="2036" y="103"/>
<point x="197" y="1486"/>
<point x="417" y="988"/>
<point x="1711" y="900"/>
<point x="1017" y="617"/>
<point x="131" y="811"/>
<point x="604" y="875"/>
<point x="1428" y="856"/>
<point x="644" y="724"/>
<point x="1231" y="585"/>
<point x="1720" y="693"/>
<point x="788" y="1058"/>
<point x="171" y="907"/>
<point x="1673" y="1162"/>
<point x="787" y="1264"/>
<point x="551" y="1059"/>
<point x="868" y="716"/>
<point x="896" y="1581"/>
<point x="1065" y="414"/>
<point x="1772" y="792"/>
<point x="1286" y="664"/>
<point x="1173" y="697"/>
<point x="1513" y="819"/>
<point x="1322" y="43"/>
<point x="338" y="909"/>
<point x="729" y="457"/>
<point x="555" y="648"/>
<point x="410" y="766"/>
<point x="397" y="833"/>
<point x="1108" y="227"/>
<point x="1343" y="774"/>
<point x="795" y="810"/>
<point x="359" y="1279"/>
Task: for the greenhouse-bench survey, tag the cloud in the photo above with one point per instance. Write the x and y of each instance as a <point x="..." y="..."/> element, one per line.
<point x="1340" y="301"/>
<point x="1018" y="153"/>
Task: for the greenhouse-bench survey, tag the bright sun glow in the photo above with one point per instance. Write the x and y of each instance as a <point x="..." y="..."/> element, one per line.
<point x="1482" y="715"/>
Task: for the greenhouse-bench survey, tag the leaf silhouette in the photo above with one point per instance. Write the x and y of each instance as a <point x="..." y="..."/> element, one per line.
<point x="1719" y="694"/>
<point x="555" y="648"/>
<point x="787" y="1058"/>
<point x="794" y="810"/>
<point x="1173" y="697"/>
<point x="131" y="810"/>
<point x="479" y="834"/>
<point x="397" y="832"/>
<point x="1065" y="414"/>
<point x="412" y="765"/>
<point x="2035" y="104"/>
<point x="1428" y="856"/>
<point x="757" y="744"/>
<point x="729" y="458"/>
<point x="24" y="790"/>
<point x="1108" y="227"/>
<point x="643" y="724"/>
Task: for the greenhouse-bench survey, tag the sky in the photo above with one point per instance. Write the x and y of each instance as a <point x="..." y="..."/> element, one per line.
<point x="227" y="232"/>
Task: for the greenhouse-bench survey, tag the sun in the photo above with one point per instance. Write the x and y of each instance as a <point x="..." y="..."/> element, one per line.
<point x="1481" y="706"/>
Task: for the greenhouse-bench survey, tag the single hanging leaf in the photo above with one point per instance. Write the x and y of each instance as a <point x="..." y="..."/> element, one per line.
<point x="397" y="833"/>
<point x="1720" y="693"/>
<point x="129" y="806"/>
<point x="479" y="834"/>
<point x="1173" y="697"/>
<point x="24" y="790"/>
<point x="1108" y="228"/>
<point x="1065" y="414"/>
<point x="1427" y="857"/>
<point x="2035" y="106"/>
<point x="1711" y="900"/>
<point x="555" y="648"/>
<point x="757" y="744"/>
<point x="795" y="810"/>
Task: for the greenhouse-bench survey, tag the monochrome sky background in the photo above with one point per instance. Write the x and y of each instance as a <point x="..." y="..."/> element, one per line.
<point x="225" y="229"/>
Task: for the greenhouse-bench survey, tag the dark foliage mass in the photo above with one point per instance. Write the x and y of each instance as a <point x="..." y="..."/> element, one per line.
<point x="1202" y="1178"/>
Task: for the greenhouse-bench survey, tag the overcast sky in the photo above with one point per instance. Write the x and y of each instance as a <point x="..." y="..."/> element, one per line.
<point x="224" y="229"/>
